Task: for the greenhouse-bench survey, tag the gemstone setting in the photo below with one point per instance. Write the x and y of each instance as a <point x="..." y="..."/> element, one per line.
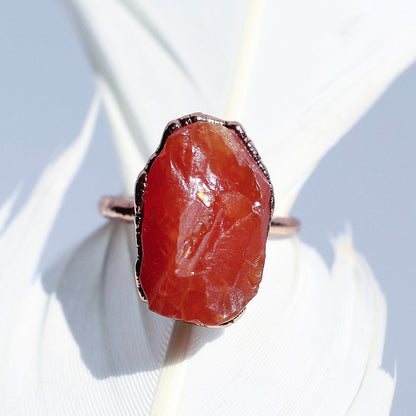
<point x="203" y="207"/>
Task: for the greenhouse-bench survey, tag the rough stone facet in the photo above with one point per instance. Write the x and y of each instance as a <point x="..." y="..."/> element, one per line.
<point x="205" y="219"/>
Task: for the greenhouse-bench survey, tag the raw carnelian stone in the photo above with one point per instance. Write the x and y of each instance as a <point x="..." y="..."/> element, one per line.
<point x="206" y="214"/>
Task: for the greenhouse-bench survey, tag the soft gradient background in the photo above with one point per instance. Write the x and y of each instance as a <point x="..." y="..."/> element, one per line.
<point x="367" y="180"/>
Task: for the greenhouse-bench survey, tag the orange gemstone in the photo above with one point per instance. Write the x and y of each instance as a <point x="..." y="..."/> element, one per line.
<point x="206" y="214"/>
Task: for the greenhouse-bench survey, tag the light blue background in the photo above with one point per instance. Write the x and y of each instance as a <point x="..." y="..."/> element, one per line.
<point x="367" y="180"/>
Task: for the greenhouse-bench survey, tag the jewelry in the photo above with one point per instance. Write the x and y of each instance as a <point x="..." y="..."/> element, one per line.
<point x="203" y="209"/>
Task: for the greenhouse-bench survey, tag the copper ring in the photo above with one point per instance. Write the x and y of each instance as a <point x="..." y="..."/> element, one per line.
<point x="130" y="211"/>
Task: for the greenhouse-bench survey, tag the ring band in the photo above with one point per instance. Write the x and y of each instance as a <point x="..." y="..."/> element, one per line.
<point x="121" y="209"/>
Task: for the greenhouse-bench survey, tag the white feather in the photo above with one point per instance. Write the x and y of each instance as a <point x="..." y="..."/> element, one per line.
<point x="297" y="75"/>
<point x="6" y="208"/>
<point x="36" y="217"/>
<point x="24" y="303"/>
<point x="309" y="343"/>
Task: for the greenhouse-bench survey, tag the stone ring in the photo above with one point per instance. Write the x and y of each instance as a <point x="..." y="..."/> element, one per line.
<point x="203" y="209"/>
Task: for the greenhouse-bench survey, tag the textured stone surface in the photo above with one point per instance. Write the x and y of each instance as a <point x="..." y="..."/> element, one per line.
<point x="205" y="222"/>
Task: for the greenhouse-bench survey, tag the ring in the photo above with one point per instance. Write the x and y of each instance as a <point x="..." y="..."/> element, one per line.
<point x="203" y="209"/>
